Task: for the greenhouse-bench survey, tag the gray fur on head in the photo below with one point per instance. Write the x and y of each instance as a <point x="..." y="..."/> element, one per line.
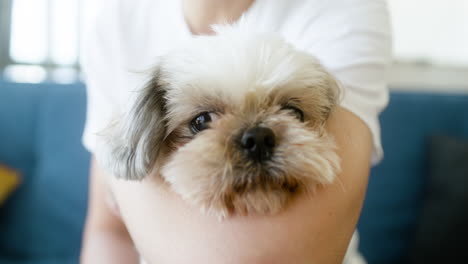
<point x="132" y="141"/>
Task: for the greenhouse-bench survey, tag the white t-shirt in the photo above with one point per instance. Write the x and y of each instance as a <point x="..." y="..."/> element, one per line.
<point x="351" y="38"/>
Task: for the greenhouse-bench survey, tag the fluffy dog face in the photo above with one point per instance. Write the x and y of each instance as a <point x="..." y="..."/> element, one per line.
<point x="233" y="122"/>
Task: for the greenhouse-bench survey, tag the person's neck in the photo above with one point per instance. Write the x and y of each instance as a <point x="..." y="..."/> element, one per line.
<point x="201" y="14"/>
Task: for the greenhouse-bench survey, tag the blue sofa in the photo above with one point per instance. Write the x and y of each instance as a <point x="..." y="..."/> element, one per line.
<point x="40" y="130"/>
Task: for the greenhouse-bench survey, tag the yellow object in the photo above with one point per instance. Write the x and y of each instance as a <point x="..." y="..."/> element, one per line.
<point x="9" y="180"/>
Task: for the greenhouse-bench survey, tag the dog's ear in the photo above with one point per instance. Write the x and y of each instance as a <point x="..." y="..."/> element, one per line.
<point x="132" y="142"/>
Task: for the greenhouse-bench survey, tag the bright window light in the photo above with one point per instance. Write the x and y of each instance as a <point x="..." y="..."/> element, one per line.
<point x="25" y="73"/>
<point x="64" y="29"/>
<point x="65" y="75"/>
<point x="45" y="31"/>
<point x="29" y="31"/>
<point x="431" y="31"/>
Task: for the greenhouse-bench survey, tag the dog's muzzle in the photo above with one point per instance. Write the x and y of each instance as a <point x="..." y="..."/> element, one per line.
<point x="259" y="143"/>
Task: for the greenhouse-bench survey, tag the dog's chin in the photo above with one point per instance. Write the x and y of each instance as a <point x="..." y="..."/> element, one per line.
<point x="219" y="179"/>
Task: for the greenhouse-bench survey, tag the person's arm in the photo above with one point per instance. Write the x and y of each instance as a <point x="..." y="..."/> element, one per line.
<point x="106" y="239"/>
<point x="337" y="207"/>
<point x="313" y="229"/>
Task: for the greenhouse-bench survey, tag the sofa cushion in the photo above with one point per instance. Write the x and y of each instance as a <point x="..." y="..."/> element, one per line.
<point x="44" y="218"/>
<point x="18" y="107"/>
<point x="442" y="231"/>
<point x="395" y="193"/>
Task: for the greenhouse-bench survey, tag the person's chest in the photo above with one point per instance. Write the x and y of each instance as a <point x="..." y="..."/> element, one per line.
<point x="146" y="30"/>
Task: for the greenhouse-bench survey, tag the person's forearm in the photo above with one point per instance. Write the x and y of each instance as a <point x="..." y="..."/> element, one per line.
<point x="313" y="229"/>
<point x="105" y="247"/>
<point x="105" y="239"/>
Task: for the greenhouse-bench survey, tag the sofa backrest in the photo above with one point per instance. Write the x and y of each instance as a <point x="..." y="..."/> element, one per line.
<point x="40" y="135"/>
<point x="395" y="193"/>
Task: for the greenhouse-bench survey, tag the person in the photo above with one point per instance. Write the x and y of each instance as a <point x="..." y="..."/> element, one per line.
<point x="127" y="219"/>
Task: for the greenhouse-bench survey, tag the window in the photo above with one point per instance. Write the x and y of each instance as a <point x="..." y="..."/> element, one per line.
<point x="42" y="39"/>
<point x="430" y="31"/>
<point x="39" y="40"/>
<point x="430" y="45"/>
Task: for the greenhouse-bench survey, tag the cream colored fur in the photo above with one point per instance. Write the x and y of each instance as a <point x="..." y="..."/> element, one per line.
<point x="244" y="79"/>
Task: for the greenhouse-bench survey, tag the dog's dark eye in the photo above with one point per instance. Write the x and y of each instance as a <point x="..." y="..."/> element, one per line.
<point x="296" y="111"/>
<point x="200" y="122"/>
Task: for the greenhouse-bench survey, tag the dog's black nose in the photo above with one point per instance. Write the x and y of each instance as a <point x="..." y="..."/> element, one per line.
<point x="259" y="143"/>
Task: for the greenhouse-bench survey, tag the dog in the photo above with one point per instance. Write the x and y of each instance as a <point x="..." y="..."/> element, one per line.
<point x="234" y="122"/>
